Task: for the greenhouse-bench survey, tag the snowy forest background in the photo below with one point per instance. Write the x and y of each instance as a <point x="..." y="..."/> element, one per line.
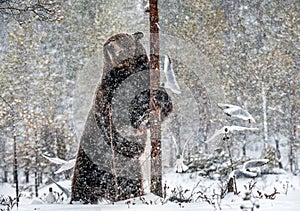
<point x="239" y="52"/>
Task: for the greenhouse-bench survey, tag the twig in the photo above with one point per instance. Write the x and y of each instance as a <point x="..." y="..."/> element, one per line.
<point x="272" y="195"/>
<point x="7" y="103"/>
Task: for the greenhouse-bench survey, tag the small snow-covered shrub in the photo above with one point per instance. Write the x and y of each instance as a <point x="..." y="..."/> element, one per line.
<point x="8" y="202"/>
<point x="214" y="165"/>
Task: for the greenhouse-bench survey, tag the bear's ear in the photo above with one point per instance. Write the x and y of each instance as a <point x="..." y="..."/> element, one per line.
<point x="138" y="35"/>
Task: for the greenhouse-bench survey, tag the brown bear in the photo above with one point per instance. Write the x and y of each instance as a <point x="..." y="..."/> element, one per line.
<point x="107" y="164"/>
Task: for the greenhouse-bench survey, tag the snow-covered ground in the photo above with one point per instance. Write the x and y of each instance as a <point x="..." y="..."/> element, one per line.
<point x="203" y="194"/>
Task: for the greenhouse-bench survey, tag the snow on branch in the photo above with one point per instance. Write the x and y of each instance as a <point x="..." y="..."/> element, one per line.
<point x="65" y="165"/>
<point x="171" y="82"/>
<point x="230" y="129"/>
<point x="236" y="112"/>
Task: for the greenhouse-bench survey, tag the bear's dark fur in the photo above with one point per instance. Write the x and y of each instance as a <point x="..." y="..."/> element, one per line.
<point x="107" y="164"/>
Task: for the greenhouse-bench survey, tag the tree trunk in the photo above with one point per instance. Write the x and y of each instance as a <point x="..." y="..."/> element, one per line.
<point x="205" y="117"/>
<point x="5" y="178"/>
<point x="244" y="148"/>
<point x="155" y="124"/>
<point x="264" y="104"/>
<point x="292" y="154"/>
<point x="40" y="177"/>
<point x="36" y="179"/>
<point x="36" y="184"/>
<point x="278" y="153"/>
<point x="16" y="168"/>
<point x="26" y="175"/>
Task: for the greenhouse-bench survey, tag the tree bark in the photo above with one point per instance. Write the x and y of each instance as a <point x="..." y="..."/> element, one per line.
<point x="265" y="119"/>
<point x="16" y="169"/>
<point x="36" y="181"/>
<point x="155" y="124"/>
<point x="292" y="156"/>
<point x="205" y="117"/>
